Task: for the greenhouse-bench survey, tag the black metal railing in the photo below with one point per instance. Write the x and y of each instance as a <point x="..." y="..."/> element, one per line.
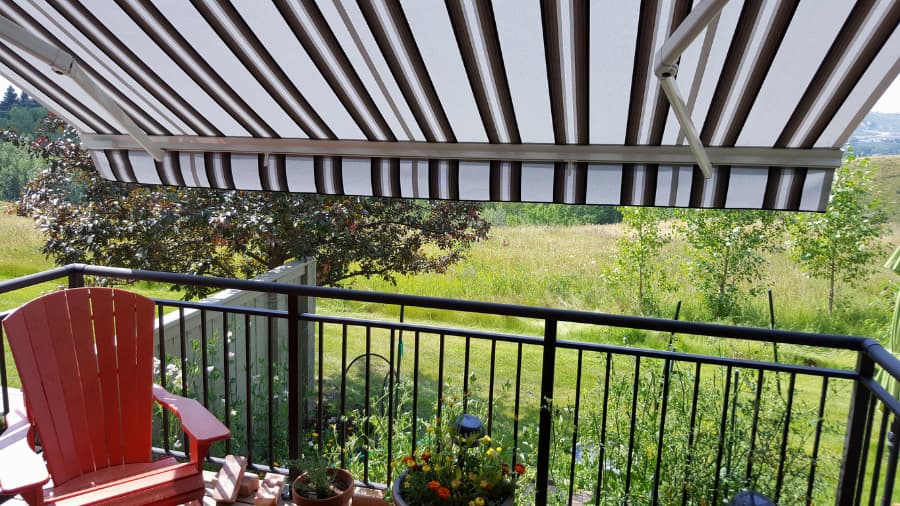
<point x="595" y="423"/>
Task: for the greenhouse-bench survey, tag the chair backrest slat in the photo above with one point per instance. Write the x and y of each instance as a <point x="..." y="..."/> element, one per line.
<point x="80" y="318"/>
<point x="85" y="360"/>
<point x="134" y="321"/>
<point x="105" y="340"/>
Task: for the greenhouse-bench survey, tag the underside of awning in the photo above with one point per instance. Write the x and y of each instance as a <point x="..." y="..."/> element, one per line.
<point x="511" y="100"/>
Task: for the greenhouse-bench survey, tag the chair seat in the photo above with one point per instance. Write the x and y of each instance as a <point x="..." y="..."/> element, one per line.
<point x="164" y="481"/>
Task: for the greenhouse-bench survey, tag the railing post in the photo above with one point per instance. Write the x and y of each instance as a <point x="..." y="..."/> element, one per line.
<point x="76" y="277"/>
<point x="545" y="426"/>
<point x="856" y="429"/>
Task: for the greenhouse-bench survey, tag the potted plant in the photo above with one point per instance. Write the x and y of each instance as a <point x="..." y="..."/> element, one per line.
<point x="319" y="483"/>
<point x="458" y="465"/>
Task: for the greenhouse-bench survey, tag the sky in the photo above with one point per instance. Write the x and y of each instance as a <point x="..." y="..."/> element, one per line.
<point x="889" y="102"/>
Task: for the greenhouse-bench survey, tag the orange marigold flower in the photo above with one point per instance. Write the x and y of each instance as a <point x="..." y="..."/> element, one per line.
<point x="434" y="485"/>
<point x="519" y="468"/>
<point x="426" y="456"/>
<point x="444" y="493"/>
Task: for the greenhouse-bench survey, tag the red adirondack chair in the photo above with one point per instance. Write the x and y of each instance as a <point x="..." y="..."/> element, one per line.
<point x="85" y="359"/>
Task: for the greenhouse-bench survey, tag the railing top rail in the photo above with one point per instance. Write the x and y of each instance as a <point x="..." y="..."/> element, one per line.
<point x="34" y="279"/>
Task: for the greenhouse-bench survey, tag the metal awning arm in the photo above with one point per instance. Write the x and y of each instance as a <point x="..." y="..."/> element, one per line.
<point x="666" y="68"/>
<point x="63" y="63"/>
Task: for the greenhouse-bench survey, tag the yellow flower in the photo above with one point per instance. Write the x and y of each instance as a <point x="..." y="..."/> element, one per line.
<point x="455" y="483"/>
<point x="485" y="439"/>
<point x="491" y="452"/>
<point x="479" y="501"/>
<point x="426" y="468"/>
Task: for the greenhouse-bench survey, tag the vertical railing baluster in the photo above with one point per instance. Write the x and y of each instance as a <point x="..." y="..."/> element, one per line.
<point x="345" y="421"/>
<point x="183" y="349"/>
<point x="601" y="461"/>
<point x="779" y="483"/>
<point x="163" y="363"/>
<point x="691" y="432"/>
<point x="723" y="428"/>
<point x="890" y="472"/>
<point x="853" y="442"/>
<point x="879" y="455"/>
<point x="491" y="374"/>
<point x="814" y="459"/>
<point x="864" y="459"/>
<point x="466" y="360"/>
<point x="390" y="408"/>
<point x="754" y="426"/>
<point x="226" y="374"/>
<point x="635" y="389"/>
<point x="734" y="405"/>
<point x="440" y="385"/>
<point x="294" y="394"/>
<point x="667" y="368"/>
<point x="367" y="410"/>
<point x="545" y="424"/>
<point x="516" y="403"/>
<point x="320" y="403"/>
<point x="248" y="390"/>
<point x="204" y="358"/>
<point x="415" y="394"/>
<point x="574" y="454"/>
<point x="271" y="326"/>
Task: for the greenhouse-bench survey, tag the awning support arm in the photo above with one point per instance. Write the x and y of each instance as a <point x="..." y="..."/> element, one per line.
<point x="63" y="63"/>
<point x="666" y="69"/>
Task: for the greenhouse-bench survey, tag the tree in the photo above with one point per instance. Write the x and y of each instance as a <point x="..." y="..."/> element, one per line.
<point x="233" y="233"/>
<point x="24" y="120"/>
<point x="727" y="254"/>
<point x="839" y="244"/>
<point x="9" y="100"/>
<point x="25" y="101"/>
<point x="638" y="257"/>
<point x="17" y="167"/>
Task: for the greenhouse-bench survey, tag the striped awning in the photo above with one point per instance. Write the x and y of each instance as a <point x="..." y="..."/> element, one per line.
<point x="511" y="100"/>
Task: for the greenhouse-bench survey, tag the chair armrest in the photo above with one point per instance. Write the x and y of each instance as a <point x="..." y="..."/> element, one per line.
<point x="198" y="423"/>
<point x="21" y="468"/>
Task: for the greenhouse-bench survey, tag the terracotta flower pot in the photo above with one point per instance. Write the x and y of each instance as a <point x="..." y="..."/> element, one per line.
<point x="397" y="492"/>
<point x="341" y="477"/>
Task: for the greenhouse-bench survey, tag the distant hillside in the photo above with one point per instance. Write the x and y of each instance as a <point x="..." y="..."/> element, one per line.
<point x="878" y="134"/>
<point x="888" y="182"/>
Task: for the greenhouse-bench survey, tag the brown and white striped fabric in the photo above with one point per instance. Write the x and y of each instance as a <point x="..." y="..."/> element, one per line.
<point x="453" y="99"/>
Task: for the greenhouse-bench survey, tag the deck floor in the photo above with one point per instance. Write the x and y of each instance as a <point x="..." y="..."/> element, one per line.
<point x="362" y="497"/>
